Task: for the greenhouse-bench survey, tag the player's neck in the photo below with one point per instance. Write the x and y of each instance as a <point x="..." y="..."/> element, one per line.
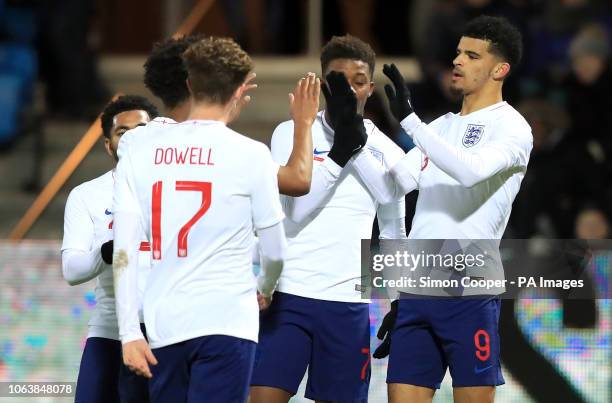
<point x="481" y="99"/>
<point x="180" y="112"/>
<point x="207" y="111"/>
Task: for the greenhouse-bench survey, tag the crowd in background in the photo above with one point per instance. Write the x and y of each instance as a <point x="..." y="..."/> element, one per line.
<point x="562" y="87"/>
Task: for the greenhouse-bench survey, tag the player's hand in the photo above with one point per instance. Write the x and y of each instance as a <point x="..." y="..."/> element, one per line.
<point x="242" y="98"/>
<point x="304" y="100"/>
<point x="384" y="332"/>
<point x="349" y="132"/>
<point x="340" y="99"/>
<point x="106" y="250"/>
<point x="399" y="94"/>
<point x="263" y="301"/>
<point x="137" y="356"/>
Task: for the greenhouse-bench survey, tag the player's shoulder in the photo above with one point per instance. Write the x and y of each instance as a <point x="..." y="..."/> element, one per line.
<point x="96" y="183"/>
<point x="508" y="118"/>
<point x="283" y="130"/>
<point x="371" y="129"/>
<point x="130" y="138"/>
<point x="144" y="133"/>
<point x="92" y="187"/>
<point x="284" y="127"/>
<point x="162" y="120"/>
<point x="447" y="117"/>
<point x="376" y="138"/>
<point x="248" y="155"/>
<point x="246" y="143"/>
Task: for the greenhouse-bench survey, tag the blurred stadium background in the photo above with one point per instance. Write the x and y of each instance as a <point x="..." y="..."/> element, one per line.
<point x="61" y="61"/>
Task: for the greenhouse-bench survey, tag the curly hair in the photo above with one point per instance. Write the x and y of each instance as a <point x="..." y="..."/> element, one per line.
<point x="347" y="47"/>
<point x="505" y="39"/>
<point x="216" y="67"/>
<point x="122" y="104"/>
<point x="165" y="72"/>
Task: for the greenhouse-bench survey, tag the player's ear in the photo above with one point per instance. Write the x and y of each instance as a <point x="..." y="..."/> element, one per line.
<point x="372" y="88"/>
<point x="501" y="71"/>
<point x="238" y="92"/>
<point x="189" y="87"/>
<point x="107" y="146"/>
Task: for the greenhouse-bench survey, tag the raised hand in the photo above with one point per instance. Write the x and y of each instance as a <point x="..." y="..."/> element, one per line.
<point x="304" y="100"/>
<point x="242" y="98"/>
<point x="399" y="94"/>
<point x="340" y="99"/>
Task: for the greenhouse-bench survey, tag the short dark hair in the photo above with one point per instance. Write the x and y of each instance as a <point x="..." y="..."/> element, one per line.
<point x="347" y="47"/>
<point x="122" y="104"/>
<point x="505" y="39"/>
<point x="216" y="67"/>
<point x="165" y="72"/>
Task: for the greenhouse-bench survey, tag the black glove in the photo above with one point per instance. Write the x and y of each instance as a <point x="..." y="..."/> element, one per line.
<point x="349" y="132"/>
<point x="399" y="99"/>
<point x="107" y="252"/>
<point x="384" y="331"/>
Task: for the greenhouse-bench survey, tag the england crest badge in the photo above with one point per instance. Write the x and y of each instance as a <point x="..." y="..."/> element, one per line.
<point x="472" y="135"/>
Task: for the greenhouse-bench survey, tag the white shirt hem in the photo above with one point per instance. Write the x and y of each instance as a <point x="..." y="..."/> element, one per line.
<point x="103" y="332"/>
<point x="323" y="296"/>
<point x="202" y="333"/>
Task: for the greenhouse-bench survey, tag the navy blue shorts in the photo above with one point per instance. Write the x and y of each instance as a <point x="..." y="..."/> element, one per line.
<point x="104" y="379"/>
<point x="99" y="371"/>
<point x="431" y="335"/>
<point x="208" y="369"/>
<point x="331" y="338"/>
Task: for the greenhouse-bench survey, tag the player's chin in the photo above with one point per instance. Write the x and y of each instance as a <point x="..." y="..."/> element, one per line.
<point x="456" y="90"/>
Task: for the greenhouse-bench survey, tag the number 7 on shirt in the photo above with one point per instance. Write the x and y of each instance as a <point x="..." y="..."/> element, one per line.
<point x="156" y="208"/>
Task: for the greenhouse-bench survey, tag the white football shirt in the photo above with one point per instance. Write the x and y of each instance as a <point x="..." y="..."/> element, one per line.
<point x="88" y="221"/>
<point x="199" y="189"/>
<point x="323" y="258"/>
<point x="468" y="170"/>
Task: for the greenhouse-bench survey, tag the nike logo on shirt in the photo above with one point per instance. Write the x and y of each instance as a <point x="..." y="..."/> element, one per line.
<point x="317" y="152"/>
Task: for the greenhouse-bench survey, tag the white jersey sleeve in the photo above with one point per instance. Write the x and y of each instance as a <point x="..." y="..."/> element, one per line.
<point x="81" y="258"/>
<point x="79" y="266"/>
<point x="125" y="257"/>
<point x="324" y="175"/>
<point x="466" y="166"/>
<point x="267" y="219"/>
<point x="273" y="249"/>
<point x="265" y="208"/>
<point x="406" y="171"/>
<point x="391" y="220"/>
<point x="375" y="173"/>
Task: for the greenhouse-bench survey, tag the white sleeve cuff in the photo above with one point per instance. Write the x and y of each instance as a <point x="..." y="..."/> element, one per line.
<point x="410" y="123"/>
<point x="79" y="267"/>
<point x="392" y="228"/>
<point x="132" y="336"/>
<point x="406" y="174"/>
<point x="273" y="249"/>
